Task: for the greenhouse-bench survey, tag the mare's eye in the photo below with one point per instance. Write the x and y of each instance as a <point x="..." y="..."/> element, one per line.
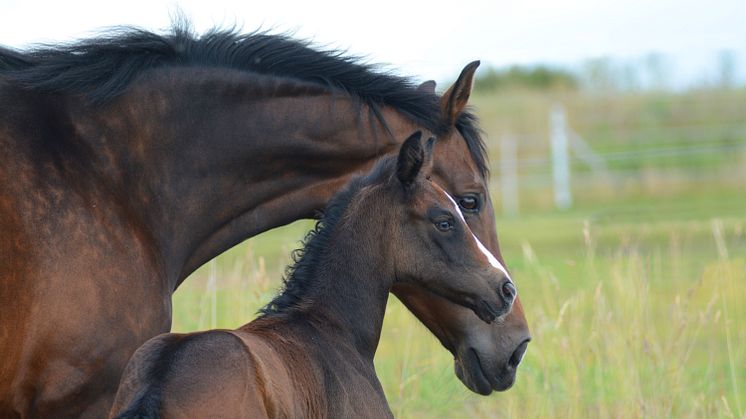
<point x="444" y="225"/>
<point x="469" y="203"/>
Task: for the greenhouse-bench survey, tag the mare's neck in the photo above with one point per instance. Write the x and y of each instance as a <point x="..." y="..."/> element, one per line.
<point x="212" y="157"/>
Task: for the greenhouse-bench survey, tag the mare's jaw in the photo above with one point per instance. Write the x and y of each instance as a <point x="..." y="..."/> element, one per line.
<point x="470" y="372"/>
<point x="483" y="374"/>
<point x="474" y="372"/>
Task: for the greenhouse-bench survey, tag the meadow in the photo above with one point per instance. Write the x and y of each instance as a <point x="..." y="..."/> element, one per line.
<point x="636" y="297"/>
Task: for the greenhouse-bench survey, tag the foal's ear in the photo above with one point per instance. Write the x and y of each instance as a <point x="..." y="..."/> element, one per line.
<point x="453" y="101"/>
<point x="411" y="158"/>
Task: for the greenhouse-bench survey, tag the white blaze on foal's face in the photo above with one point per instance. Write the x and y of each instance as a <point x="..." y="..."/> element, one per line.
<point x="490" y="257"/>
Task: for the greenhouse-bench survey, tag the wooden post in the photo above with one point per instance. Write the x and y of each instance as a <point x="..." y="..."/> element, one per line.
<point x="560" y="158"/>
<point x="212" y="290"/>
<point x="509" y="175"/>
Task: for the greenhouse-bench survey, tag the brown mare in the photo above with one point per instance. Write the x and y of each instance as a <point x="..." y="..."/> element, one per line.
<point x="310" y="355"/>
<point x="128" y="161"/>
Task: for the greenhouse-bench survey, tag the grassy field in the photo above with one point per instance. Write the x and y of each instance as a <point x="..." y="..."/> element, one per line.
<point x="636" y="298"/>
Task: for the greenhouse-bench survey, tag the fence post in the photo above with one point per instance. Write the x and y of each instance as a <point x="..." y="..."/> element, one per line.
<point x="509" y="174"/>
<point x="212" y="290"/>
<point x="560" y="158"/>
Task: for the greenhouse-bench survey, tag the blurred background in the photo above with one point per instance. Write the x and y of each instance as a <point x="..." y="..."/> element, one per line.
<point x="617" y="142"/>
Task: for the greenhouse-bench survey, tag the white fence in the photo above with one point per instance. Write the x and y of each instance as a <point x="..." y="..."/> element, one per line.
<point x="570" y="156"/>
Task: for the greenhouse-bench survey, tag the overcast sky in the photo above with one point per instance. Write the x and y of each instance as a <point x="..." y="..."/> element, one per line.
<point x="432" y="39"/>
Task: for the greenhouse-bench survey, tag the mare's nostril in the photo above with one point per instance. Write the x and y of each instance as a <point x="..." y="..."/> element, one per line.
<point x="517" y="356"/>
<point x="508" y="291"/>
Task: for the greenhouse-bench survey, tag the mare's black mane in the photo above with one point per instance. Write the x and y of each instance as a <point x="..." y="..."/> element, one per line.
<point x="102" y="68"/>
<point x="12" y="60"/>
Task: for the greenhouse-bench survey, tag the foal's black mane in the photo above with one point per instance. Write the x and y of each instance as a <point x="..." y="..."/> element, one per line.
<point x="300" y="276"/>
<point x="102" y="68"/>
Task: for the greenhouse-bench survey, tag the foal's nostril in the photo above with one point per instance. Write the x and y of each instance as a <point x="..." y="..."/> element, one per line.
<point x="508" y="291"/>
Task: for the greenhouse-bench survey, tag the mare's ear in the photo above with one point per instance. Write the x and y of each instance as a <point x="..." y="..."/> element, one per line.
<point x="427" y="87"/>
<point x="411" y="158"/>
<point x="453" y="101"/>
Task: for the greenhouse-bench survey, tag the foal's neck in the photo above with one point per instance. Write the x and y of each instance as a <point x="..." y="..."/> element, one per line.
<point x="348" y="300"/>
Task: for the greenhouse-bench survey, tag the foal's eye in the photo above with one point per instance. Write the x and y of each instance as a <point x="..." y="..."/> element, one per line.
<point x="469" y="203"/>
<point x="444" y="225"/>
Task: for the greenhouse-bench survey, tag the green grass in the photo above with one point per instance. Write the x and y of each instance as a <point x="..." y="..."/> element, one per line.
<point x="636" y="297"/>
<point x="629" y="318"/>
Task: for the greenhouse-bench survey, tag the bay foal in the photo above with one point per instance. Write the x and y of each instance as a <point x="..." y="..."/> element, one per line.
<point x="310" y="353"/>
